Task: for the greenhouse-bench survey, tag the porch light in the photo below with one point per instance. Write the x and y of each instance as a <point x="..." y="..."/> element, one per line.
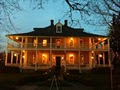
<point x="23" y="56"/>
<point x="71" y="39"/>
<point x="99" y="39"/>
<point x="15" y="54"/>
<point x="23" y="51"/>
<point x="92" y="57"/>
<point x="62" y="58"/>
<point x="71" y="55"/>
<point x="100" y="55"/>
<point x="16" y="38"/>
<point x="53" y="57"/>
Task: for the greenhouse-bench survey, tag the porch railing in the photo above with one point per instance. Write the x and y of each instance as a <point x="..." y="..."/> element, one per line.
<point x="55" y="46"/>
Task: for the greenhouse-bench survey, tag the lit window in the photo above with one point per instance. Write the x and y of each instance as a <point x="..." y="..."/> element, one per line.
<point x="35" y="42"/>
<point x="82" y="59"/>
<point x="58" y="42"/>
<point x="81" y="42"/>
<point x="44" y="42"/>
<point x="71" y="59"/>
<point x="44" y="59"/>
<point x="58" y="29"/>
<point x="71" y="42"/>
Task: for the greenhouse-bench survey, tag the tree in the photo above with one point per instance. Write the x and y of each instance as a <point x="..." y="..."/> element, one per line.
<point x="115" y="39"/>
<point x="87" y="9"/>
<point x="102" y="10"/>
<point x="7" y="9"/>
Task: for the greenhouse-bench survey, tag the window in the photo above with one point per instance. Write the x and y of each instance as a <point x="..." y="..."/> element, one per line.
<point x="44" y="42"/>
<point x="71" y="42"/>
<point x="71" y="59"/>
<point x="44" y="59"/>
<point x="35" y="42"/>
<point x="58" y="42"/>
<point x="58" y="29"/>
<point x="81" y="42"/>
<point x="82" y="59"/>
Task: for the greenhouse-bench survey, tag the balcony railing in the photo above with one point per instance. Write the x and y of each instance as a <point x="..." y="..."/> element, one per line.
<point x="55" y="46"/>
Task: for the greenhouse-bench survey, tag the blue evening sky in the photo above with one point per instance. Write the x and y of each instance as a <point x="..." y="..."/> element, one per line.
<point x="27" y="19"/>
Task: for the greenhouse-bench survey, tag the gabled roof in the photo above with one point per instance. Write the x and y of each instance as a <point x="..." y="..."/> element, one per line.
<point x="51" y="31"/>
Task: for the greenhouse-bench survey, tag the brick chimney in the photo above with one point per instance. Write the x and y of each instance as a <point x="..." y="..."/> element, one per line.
<point x="65" y="22"/>
<point x="52" y="22"/>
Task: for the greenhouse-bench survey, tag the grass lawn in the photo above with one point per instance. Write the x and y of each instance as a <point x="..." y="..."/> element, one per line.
<point x="9" y="80"/>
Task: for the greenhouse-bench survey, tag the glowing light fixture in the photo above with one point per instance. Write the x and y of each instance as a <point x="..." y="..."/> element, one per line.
<point x="100" y="55"/>
<point x="16" y="38"/>
<point x="23" y="56"/>
<point x="99" y="39"/>
<point x="15" y="54"/>
<point x="92" y="57"/>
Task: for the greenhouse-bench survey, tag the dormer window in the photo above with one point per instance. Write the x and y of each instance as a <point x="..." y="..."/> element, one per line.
<point x="58" y="29"/>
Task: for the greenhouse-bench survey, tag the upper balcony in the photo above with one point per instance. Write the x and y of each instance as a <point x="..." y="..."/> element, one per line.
<point x="58" y="47"/>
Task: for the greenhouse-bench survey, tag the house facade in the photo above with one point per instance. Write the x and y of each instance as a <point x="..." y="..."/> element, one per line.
<point x="57" y="45"/>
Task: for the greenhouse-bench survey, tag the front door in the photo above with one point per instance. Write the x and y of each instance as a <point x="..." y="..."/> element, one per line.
<point x="58" y="61"/>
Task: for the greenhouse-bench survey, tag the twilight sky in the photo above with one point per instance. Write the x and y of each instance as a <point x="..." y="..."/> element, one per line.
<point x="28" y="18"/>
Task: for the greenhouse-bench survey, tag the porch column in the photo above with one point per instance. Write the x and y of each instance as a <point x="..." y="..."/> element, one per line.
<point x="109" y="61"/>
<point x="93" y="58"/>
<point x="6" y="51"/>
<point x="21" y="56"/>
<point x="65" y="55"/>
<point x="65" y="60"/>
<point x="11" y="57"/>
<point x="93" y="44"/>
<point x="16" y="58"/>
<point x="90" y="43"/>
<point x="90" y="59"/>
<point x="104" y="59"/>
<point x="50" y="61"/>
<point x="36" y="62"/>
<point x="79" y="62"/>
<point x="25" y="58"/>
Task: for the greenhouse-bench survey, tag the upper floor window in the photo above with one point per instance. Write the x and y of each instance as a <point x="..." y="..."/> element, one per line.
<point x="44" y="42"/>
<point x="71" y="59"/>
<point x="81" y="42"/>
<point x="71" y="42"/>
<point x="35" y="42"/>
<point x="58" y="29"/>
<point x="58" y="42"/>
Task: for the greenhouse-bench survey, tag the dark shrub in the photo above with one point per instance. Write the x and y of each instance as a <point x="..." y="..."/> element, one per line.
<point x="9" y="69"/>
<point x="101" y="70"/>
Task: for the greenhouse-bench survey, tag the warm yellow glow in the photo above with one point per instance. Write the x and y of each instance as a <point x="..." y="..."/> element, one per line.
<point x="44" y="42"/>
<point x="16" y="38"/>
<point x="35" y="42"/>
<point x="15" y="54"/>
<point x="71" y="39"/>
<point x="100" y="55"/>
<point x="99" y="39"/>
<point x="92" y="51"/>
<point x="71" y="55"/>
<point x="23" y="51"/>
<point x="23" y="56"/>
<point x="44" y="55"/>
<point x="44" y="58"/>
<point x="62" y="58"/>
<point x="92" y="57"/>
